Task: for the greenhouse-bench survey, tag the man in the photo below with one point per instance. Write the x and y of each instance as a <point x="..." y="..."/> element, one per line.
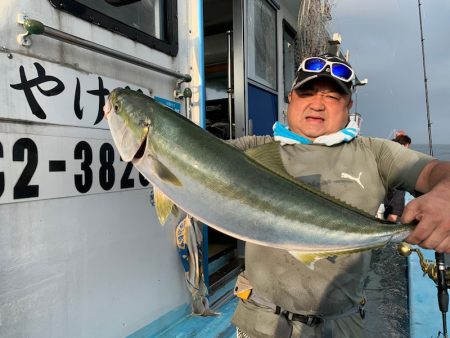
<point x="281" y="297"/>
<point x="394" y="202"/>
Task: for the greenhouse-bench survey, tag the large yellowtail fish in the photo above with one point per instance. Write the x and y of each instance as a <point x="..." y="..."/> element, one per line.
<point x="245" y="195"/>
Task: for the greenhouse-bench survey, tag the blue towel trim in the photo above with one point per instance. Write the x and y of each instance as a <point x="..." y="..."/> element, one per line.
<point x="285" y="136"/>
<point x="282" y="131"/>
<point x="349" y="132"/>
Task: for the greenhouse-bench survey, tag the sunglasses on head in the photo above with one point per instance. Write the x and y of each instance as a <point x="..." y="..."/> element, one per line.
<point x="338" y="70"/>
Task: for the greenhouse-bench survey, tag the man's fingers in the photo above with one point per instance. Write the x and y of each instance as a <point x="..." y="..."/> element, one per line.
<point x="411" y="215"/>
<point x="431" y="211"/>
<point x="444" y="246"/>
<point x="432" y="239"/>
<point x="411" y="212"/>
<point x="432" y="230"/>
<point x="421" y="233"/>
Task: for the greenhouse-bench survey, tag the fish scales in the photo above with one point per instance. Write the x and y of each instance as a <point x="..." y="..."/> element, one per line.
<point x="230" y="191"/>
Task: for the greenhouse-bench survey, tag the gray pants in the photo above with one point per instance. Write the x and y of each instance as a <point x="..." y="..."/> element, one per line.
<point x="259" y="322"/>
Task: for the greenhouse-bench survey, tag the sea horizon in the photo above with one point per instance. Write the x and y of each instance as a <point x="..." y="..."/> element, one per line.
<point x="440" y="151"/>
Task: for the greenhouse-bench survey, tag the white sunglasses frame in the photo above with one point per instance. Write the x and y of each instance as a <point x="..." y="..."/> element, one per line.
<point x="327" y="63"/>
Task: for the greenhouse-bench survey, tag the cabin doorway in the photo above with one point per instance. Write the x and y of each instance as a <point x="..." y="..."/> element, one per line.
<point x="224" y="253"/>
<point x="241" y="93"/>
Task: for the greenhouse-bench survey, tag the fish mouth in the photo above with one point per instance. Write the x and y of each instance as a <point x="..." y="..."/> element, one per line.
<point x="141" y="150"/>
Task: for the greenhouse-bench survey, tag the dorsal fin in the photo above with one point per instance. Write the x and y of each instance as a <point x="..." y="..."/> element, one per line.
<point x="268" y="155"/>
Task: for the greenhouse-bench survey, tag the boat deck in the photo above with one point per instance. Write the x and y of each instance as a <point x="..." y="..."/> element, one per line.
<point x="181" y="323"/>
<point x="425" y="317"/>
<point x="197" y="326"/>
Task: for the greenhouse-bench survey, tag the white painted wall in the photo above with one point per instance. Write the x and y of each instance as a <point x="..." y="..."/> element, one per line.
<point x="73" y="264"/>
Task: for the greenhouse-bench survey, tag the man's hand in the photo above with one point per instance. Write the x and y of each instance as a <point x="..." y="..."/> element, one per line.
<point x="431" y="211"/>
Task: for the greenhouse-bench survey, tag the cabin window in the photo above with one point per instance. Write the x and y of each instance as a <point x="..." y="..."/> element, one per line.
<point x="262" y="43"/>
<point x="150" y="22"/>
<point x="289" y="60"/>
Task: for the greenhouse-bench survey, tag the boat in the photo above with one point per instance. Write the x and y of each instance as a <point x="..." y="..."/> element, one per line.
<point x="82" y="253"/>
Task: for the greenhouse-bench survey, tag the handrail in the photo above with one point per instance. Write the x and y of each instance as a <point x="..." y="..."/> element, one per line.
<point x="230" y="82"/>
<point x="38" y="28"/>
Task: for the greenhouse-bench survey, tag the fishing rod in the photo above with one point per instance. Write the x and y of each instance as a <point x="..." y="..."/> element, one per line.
<point x="441" y="277"/>
<point x="425" y="79"/>
<point x="442" y="289"/>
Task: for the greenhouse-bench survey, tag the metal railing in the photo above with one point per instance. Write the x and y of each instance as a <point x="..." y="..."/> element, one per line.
<point x="34" y="27"/>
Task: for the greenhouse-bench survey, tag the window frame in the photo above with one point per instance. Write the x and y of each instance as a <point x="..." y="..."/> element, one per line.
<point x="168" y="46"/>
<point x="289" y="31"/>
<point x="251" y="72"/>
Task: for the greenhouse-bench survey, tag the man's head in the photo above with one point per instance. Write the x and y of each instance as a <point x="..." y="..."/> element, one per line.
<point x="403" y="139"/>
<point x="320" y="100"/>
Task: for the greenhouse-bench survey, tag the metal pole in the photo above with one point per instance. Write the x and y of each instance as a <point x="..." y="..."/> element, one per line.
<point x="36" y="27"/>
<point x="230" y="83"/>
<point x="430" y="143"/>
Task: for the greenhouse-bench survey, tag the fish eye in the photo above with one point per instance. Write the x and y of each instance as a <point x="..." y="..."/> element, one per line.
<point x="116" y="108"/>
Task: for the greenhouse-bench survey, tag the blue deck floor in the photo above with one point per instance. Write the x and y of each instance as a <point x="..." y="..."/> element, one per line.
<point x="195" y="326"/>
<point x="425" y="317"/>
<point x="181" y="323"/>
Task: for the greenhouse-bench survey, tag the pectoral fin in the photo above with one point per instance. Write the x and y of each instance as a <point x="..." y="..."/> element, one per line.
<point x="163" y="206"/>
<point x="165" y="174"/>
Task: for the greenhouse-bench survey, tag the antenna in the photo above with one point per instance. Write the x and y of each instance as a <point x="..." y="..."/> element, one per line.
<point x="430" y="142"/>
<point x="312" y="38"/>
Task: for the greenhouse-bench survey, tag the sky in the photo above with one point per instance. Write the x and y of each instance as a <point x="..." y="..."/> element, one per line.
<point x="383" y="38"/>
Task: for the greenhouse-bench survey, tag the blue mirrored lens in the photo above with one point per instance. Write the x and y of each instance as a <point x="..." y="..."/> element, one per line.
<point x="315" y="65"/>
<point x="341" y="71"/>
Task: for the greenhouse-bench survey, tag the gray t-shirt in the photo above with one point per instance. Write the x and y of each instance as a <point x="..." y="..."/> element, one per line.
<point x="359" y="173"/>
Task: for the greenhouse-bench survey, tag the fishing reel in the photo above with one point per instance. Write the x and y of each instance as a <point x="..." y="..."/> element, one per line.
<point x="429" y="267"/>
<point x="437" y="272"/>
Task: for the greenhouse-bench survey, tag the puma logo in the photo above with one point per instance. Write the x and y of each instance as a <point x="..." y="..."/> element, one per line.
<point x="356" y="179"/>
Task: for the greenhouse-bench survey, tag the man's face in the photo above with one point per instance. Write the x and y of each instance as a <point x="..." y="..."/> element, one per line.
<point x="317" y="109"/>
